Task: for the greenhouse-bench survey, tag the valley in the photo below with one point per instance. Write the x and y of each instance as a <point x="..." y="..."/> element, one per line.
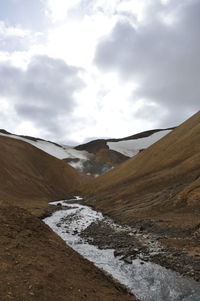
<point x="145" y="185"/>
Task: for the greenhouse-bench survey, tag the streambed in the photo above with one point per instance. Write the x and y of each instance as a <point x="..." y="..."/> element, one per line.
<point x="146" y="280"/>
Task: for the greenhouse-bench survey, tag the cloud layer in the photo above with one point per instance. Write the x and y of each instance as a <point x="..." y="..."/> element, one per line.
<point x="70" y="70"/>
<point x="43" y="93"/>
<point x="161" y="56"/>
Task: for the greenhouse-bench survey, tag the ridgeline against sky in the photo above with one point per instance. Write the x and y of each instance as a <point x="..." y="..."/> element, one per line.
<point x="71" y="71"/>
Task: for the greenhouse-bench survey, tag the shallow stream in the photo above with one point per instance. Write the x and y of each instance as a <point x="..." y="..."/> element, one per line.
<point x="146" y="280"/>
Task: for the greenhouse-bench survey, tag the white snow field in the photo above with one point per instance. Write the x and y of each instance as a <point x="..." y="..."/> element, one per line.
<point x="128" y="148"/>
<point x="60" y="152"/>
<point x="78" y="158"/>
<point x="132" y="147"/>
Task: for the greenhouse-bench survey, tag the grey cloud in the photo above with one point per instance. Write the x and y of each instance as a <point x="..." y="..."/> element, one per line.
<point x="163" y="59"/>
<point x="8" y="77"/>
<point x="18" y="12"/>
<point x="50" y="80"/>
<point x="43" y="93"/>
<point x="31" y="111"/>
<point x="13" y="43"/>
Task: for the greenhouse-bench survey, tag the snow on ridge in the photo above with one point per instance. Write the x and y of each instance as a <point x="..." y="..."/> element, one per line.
<point x="132" y="147"/>
<point x="128" y="148"/>
<point x="54" y="150"/>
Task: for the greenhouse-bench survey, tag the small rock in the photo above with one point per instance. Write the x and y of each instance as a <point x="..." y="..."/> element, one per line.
<point x="141" y="229"/>
<point x="31" y="293"/>
<point x="128" y="260"/>
<point x="118" y="253"/>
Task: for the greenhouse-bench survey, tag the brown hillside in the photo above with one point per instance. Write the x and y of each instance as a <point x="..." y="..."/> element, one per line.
<point x="102" y="153"/>
<point x="30" y="177"/>
<point x="106" y="155"/>
<point x="161" y="182"/>
<point x="35" y="264"/>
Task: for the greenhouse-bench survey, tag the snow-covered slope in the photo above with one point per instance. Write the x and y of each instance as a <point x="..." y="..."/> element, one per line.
<point x="132" y="147"/>
<point x="58" y="151"/>
<point x="79" y="159"/>
<point x="98" y="156"/>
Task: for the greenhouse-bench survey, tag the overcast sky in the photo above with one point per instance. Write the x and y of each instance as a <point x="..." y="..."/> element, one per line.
<point x="74" y="70"/>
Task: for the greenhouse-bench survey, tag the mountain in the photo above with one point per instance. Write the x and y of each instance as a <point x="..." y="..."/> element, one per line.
<point x="35" y="263"/>
<point x="127" y="146"/>
<point x="30" y="177"/>
<point x="106" y="154"/>
<point x="160" y="184"/>
<point x="98" y="156"/>
<point x="52" y="148"/>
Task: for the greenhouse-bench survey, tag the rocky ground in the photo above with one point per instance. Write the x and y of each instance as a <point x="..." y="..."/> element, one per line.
<point x="163" y="247"/>
<point x="171" y="248"/>
<point x="36" y="265"/>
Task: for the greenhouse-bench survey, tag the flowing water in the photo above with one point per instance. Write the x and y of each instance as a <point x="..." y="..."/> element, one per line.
<point x="146" y="280"/>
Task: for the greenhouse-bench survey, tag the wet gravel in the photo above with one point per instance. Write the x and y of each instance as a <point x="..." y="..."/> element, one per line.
<point x="131" y="243"/>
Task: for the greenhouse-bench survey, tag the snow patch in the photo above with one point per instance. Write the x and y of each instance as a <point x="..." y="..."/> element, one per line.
<point x="132" y="147"/>
<point x="60" y="152"/>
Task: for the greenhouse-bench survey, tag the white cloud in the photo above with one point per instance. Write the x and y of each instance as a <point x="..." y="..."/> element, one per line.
<point x="74" y="36"/>
<point x="11" y="31"/>
<point x="162" y="58"/>
<point x="43" y="95"/>
<point x="108" y="105"/>
<point x="75" y="40"/>
<point x="58" y="9"/>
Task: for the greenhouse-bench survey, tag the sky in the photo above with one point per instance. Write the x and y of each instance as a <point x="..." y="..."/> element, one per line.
<point x="76" y="70"/>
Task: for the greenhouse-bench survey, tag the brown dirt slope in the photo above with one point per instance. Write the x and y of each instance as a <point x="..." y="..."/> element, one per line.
<point x="30" y="177"/>
<point x="36" y="264"/>
<point x="162" y="182"/>
<point x="105" y="155"/>
<point x="102" y="153"/>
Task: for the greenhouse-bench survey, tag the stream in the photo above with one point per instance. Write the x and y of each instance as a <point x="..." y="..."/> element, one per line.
<point x="146" y="280"/>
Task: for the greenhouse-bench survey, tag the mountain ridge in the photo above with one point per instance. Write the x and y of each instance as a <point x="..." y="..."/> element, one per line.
<point x="30" y="176"/>
<point x="97" y="156"/>
<point x="164" y="171"/>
